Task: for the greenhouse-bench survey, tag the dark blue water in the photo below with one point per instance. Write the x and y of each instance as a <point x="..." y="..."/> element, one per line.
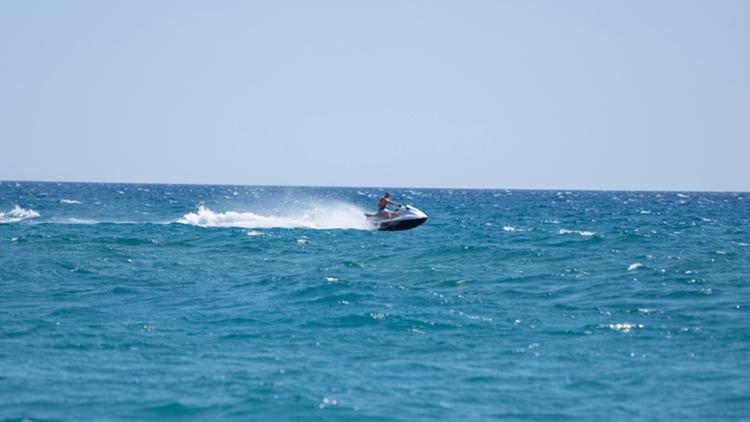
<point x="243" y="303"/>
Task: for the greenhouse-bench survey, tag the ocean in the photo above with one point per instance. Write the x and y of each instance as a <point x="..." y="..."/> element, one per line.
<point x="200" y="302"/>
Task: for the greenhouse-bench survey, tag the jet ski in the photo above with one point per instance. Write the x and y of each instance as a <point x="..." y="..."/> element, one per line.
<point x="404" y="218"/>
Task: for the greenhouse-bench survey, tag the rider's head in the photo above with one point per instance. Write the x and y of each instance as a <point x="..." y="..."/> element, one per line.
<point x="387" y="195"/>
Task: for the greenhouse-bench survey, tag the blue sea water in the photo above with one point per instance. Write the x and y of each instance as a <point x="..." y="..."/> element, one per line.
<point x="161" y="302"/>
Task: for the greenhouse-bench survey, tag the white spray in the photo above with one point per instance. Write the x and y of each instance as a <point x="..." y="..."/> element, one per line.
<point x="312" y="216"/>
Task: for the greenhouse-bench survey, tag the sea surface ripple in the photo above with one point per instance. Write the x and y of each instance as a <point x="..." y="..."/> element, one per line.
<point x="164" y="302"/>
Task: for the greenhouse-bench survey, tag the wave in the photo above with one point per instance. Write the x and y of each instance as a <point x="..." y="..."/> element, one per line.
<point x="584" y="233"/>
<point x="69" y="201"/>
<point x="330" y="216"/>
<point x="74" y="220"/>
<point x="17" y="214"/>
<point x="635" y="266"/>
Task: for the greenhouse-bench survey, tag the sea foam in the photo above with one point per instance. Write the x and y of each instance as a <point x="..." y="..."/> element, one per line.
<point x="337" y="216"/>
<point x="17" y="214"/>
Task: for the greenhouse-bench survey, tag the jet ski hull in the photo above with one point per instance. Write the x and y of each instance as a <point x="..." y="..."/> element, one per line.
<point x="391" y="226"/>
<point x="404" y="218"/>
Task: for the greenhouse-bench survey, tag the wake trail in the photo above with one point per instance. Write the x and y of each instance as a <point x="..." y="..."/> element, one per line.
<point x="336" y="216"/>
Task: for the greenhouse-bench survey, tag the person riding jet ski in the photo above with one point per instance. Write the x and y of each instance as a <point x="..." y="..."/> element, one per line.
<point x="383" y="203"/>
<point x="405" y="217"/>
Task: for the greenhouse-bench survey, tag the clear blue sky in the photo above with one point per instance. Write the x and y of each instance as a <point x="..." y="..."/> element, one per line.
<point x="514" y="94"/>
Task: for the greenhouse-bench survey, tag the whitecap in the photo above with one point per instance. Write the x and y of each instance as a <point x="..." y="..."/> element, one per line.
<point x="69" y="201"/>
<point x="378" y="315"/>
<point x="635" y="266"/>
<point x="17" y="214"/>
<point x="510" y="229"/>
<point x="624" y="327"/>
<point x="326" y="402"/>
<point x="579" y="232"/>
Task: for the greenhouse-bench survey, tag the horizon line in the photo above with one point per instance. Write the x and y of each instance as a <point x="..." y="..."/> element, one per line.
<point x="372" y="187"/>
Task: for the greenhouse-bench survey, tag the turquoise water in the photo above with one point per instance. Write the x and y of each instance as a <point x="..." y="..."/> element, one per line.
<point x="255" y="303"/>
